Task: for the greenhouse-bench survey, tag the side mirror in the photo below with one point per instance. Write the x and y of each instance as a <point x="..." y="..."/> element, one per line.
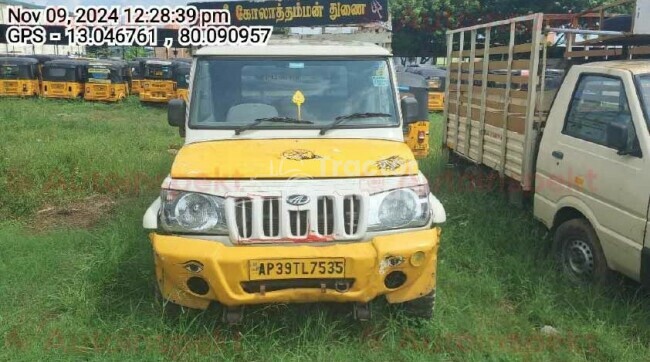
<point x="176" y="110"/>
<point x="617" y="136"/>
<point x="409" y="109"/>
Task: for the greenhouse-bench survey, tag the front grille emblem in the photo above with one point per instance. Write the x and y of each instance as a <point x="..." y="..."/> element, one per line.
<point x="297" y="200"/>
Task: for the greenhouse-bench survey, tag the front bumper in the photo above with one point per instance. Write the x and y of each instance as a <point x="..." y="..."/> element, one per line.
<point x="436" y="101"/>
<point x="225" y="269"/>
<point x="158" y="96"/>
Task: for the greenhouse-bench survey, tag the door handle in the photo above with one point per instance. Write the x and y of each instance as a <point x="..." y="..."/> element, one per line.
<point x="558" y="154"/>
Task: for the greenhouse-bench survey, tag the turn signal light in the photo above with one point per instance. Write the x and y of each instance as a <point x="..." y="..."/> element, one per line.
<point x="417" y="259"/>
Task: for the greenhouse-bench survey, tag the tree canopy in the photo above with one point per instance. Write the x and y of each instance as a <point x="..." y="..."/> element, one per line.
<point x="419" y="26"/>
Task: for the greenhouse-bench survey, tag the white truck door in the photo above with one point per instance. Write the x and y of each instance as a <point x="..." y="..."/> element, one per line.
<point x="577" y="168"/>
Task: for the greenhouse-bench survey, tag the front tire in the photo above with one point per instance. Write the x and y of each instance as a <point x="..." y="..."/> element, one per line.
<point x="420" y="308"/>
<point x="169" y="308"/>
<point x="580" y="253"/>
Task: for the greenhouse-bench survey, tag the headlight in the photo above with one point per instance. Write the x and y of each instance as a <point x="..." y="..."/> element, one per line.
<point x="399" y="209"/>
<point x="192" y="212"/>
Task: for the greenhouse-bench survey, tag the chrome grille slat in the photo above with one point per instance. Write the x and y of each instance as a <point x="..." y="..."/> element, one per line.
<point x="243" y="211"/>
<point x="325" y="215"/>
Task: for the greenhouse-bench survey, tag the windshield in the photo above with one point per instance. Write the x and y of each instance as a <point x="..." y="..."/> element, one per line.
<point x="16" y="72"/>
<point x="157" y="71"/>
<point x="644" y="91"/>
<point x="231" y="93"/>
<point x="56" y="74"/>
<point x="98" y="74"/>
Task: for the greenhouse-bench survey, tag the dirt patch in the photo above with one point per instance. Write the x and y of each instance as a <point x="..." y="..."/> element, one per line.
<point x="82" y="214"/>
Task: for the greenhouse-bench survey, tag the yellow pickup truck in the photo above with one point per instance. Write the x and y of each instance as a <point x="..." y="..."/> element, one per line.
<point x="295" y="184"/>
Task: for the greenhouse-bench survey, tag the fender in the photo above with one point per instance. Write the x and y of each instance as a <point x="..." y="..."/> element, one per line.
<point x="150" y="219"/>
<point x="576" y="203"/>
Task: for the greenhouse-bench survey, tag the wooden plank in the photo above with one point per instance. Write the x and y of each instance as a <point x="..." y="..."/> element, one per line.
<point x="593" y="53"/>
<point x="492" y="65"/>
<point x="511" y="46"/>
<point x="484" y="68"/>
<point x="640" y="50"/>
<point x="458" y="83"/>
<point x="503" y="78"/>
<point x="517" y="49"/>
<point x="496" y="105"/>
<point x="472" y="57"/>
<point x="450" y="43"/>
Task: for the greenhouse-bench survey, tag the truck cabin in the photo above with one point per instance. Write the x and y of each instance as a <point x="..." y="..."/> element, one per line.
<point x="106" y="81"/>
<point x="64" y="78"/>
<point x="19" y="76"/>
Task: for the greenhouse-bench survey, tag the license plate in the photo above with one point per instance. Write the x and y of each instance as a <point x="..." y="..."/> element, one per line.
<point x="296" y="268"/>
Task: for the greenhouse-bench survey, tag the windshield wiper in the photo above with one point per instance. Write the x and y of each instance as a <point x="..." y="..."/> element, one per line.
<point x="340" y="119"/>
<point x="256" y="122"/>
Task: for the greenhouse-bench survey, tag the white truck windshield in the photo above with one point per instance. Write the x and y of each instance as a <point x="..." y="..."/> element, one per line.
<point x="232" y="93"/>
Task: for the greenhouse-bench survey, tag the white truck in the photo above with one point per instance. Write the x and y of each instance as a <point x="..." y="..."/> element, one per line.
<point x="580" y="149"/>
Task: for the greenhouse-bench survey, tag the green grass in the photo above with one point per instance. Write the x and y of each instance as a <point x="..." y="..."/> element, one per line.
<point x="87" y="293"/>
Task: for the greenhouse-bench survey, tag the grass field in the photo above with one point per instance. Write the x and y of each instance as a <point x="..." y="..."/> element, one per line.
<point x="76" y="274"/>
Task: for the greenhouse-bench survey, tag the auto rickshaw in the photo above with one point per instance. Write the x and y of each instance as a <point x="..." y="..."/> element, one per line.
<point x="19" y="77"/>
<point x="137" y="75"/>
<point x="436" y="82"/>
<point x="182" y="76"/>
<point x="159" y="85"/>
<point x="106" y="81"/>
<point x="416" y="134"/>
<point x="64" y="78"/>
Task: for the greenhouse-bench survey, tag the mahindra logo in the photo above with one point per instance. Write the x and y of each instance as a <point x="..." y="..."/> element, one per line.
<point x="297" y="200"/>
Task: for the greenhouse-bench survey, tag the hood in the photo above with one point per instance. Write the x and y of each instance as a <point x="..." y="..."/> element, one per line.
<point x="293" y="158"/>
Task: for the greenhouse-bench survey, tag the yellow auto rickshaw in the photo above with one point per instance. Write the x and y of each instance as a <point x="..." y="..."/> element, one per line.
<point x="19" y="77"/>
<point x="182" y="76"/>
<point x="106" y="81"/>
<point x="137" y="76"/>
<point x="159" y="85"/>
<point x="416" y="132"/>
<point x="64" y="78"/>
<point x="436" y="82"/>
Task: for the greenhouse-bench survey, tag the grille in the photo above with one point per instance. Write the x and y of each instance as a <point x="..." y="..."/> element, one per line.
<point x="351" y="211"/>
<point x="243" y="215"/>
<point x="271" y="217"/>
<point x="325" y="215"/>
<point x="264" y="218"/>
<point x="299" y="222"/>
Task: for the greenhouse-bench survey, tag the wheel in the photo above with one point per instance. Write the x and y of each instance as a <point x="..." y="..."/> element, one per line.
<point x="580" y="254"/>
<point x="420" y="308"/>
<point x="170" y="309"/>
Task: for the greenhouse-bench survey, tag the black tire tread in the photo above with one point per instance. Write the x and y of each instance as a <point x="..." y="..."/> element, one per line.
<point x="602" y="274"/>
<point x="421" y="308"/>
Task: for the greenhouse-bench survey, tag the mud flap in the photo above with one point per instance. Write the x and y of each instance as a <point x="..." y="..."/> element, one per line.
<point x="645" y="267"/>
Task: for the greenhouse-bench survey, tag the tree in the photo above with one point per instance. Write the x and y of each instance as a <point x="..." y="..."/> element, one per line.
<point x="419" y="26"/>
